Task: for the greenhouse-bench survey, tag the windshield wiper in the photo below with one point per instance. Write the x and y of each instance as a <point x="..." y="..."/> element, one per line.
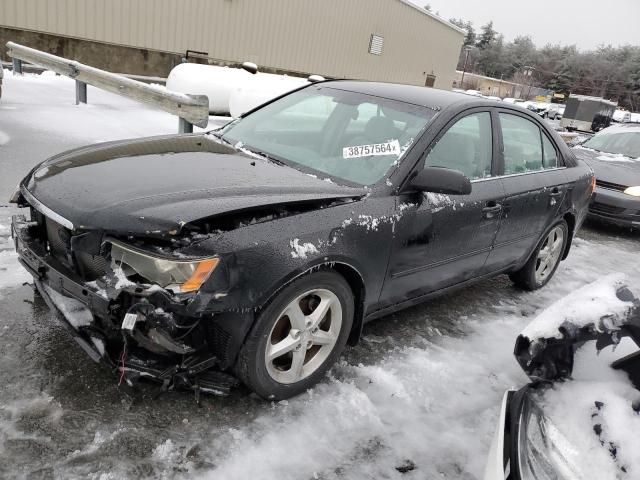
<point x="263" y="154"/>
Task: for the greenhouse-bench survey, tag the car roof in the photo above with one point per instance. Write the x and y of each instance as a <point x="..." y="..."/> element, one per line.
<point x="433" y="98"/>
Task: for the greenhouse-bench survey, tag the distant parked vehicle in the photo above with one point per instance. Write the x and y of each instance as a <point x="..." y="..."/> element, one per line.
<point x="510" y="100"/>
<point x="474" y="93"/>
<point x="614" y="156"/>
<point x="588" y="114"/>
<point x="621" y="116"/>
<point x="493" y="97"/>
<point x="554" y="111"/>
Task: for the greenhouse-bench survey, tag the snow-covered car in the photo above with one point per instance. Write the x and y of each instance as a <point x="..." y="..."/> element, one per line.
<point x="614" y="155"/>
<point x="474" y="93"/>
<point x="621" y="116"/>
<point x="554" y="111"/>
<point x="578" y="419"/>
<point x="259" y="250"/>
<point x="511" y="100"/>
<point x="493" y="97"/>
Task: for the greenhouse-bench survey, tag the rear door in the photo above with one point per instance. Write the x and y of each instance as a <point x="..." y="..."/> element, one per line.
<point x="535" y="184"/>
<point x="442" y="240"/>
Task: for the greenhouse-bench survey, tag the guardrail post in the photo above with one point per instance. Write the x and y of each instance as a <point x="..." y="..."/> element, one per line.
<point x="184" y="126"/>
<point x="17" y="66"/>
<point x="81" y="92"/>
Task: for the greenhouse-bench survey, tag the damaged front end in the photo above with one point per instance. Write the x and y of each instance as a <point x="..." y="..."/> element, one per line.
<point x="140" y="313"/>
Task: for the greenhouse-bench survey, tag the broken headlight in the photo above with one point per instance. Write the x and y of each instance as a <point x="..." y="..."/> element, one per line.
<point x="177" y="275"/>
<point x="544" y="453"/>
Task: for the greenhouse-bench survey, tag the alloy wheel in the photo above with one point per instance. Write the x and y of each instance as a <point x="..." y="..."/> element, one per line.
<point x="303" y="336"/>
<point x="549" y="254"/>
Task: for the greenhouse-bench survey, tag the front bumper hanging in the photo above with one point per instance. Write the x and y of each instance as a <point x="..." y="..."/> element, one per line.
<point x="81" y="309"/>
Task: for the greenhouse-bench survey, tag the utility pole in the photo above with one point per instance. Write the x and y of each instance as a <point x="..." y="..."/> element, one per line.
<point x="528" y="72"/>
<point x="464" y="67"/>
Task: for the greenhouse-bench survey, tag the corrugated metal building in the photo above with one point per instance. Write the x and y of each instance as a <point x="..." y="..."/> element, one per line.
<point x="388" y="40"/>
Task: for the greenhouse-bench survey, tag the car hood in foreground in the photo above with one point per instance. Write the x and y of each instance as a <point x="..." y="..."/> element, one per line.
<point x="155" y="186"/>
<point x="611" y="168"/>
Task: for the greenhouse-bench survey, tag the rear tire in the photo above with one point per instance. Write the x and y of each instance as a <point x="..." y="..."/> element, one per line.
<point x="297" y="337"/>
<point x="544" y="260"/>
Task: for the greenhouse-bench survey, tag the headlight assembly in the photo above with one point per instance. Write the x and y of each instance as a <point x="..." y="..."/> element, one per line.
<point x="635" y="191"/>
<point x="544" y="453"/>
<point x="177" y="275"/>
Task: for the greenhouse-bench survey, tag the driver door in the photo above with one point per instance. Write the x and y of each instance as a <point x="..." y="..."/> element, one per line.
<point x="442" y="240"/>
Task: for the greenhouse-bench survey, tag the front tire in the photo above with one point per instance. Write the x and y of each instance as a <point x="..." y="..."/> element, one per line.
<point x="544" y="261"/>
<point x="298" y="336"/>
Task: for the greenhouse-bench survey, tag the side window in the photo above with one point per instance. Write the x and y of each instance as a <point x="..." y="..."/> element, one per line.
<point x="522" y="144"/>
<point x="550" y="159"/>
<point x="467" y="146"/>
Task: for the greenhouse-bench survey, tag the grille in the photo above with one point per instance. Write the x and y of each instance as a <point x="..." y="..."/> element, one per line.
<point x="606" y="209"/>
<point x="58" y="238"/>
<point x="89" y="267"/>
<point x="220" y="341"/>
<point x="610" y="185"/>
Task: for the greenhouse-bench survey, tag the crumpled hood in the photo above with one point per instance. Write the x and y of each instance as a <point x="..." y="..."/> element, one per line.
<point x="611" y="168"/>
<point x="156" y="185"/>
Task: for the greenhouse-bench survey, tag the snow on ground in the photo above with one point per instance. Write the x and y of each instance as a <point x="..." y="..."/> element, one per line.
<point x="11" y="273"/>
<point x="422" y="390"/>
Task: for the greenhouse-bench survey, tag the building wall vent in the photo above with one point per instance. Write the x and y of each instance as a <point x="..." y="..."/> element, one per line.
<point x="375" y="44"/>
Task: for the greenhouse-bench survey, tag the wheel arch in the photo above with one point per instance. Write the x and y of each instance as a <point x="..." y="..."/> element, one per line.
<point x="352" y="276"/>
<point x="570" y="218"/>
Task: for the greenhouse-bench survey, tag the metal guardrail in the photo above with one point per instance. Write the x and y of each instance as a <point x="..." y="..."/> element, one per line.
<point x="191" y="109"/>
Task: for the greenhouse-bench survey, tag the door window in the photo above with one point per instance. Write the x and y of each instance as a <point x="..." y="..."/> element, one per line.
<point x="550" y="159"/>
<point x="467" y="146"/>
<point x="522" y="144"/>
<point x="526" y="147"/>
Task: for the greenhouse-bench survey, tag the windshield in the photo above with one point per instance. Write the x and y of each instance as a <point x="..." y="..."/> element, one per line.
<point x="332" y="133"/>
<point x="624" y="143"/>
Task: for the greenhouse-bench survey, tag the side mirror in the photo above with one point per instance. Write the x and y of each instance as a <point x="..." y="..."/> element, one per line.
<point x="441" y="180"/>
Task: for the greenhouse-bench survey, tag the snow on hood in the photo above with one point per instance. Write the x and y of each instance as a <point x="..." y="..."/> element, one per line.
<point x="596" y="303"/>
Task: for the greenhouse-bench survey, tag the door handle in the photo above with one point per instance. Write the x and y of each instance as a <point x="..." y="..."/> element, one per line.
<point x="491" y="209"/>
<point x="555" y="192"/>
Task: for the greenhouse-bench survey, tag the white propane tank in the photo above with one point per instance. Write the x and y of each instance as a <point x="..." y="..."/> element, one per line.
<point x="213" y="81"/>
<point x="260" y="88"/>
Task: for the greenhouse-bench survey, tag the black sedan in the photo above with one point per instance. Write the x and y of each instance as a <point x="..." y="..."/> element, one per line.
<point x="259" y="250"/>
<point x="614" y="155"/>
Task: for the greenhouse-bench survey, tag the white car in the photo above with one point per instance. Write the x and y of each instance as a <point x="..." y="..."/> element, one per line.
<point x="575" y="423"/>
<point x="493" y="97"/>
<point x="474" y="93"/>
<point x="554" y="111"/>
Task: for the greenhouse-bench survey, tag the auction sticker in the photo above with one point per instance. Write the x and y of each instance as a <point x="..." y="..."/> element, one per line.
<point x="375" y="149"/>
